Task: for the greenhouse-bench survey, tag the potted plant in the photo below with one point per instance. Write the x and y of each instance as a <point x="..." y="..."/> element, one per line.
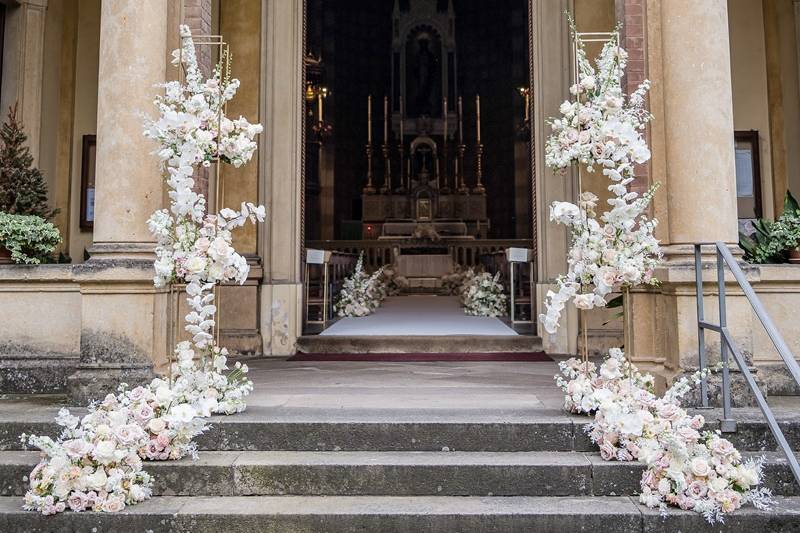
<point x="775" y="242"/>
<point x="26" y="239"/>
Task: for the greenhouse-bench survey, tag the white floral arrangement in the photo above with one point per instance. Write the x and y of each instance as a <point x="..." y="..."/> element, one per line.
<point x="193" y="247"/>
<point x="602" y="129"/>
<point x="703" y="473"/>
<point x="630" y="414"/>
<point x="586" y="387"/>
<point x="685" y="466"/>
<point x="150" y="422"/>
<point x="361" y="294"/>
<point x="170" y="424"/>
<point x="454" y="281"/>
<point x="393" y="282"/>
<point x="93" y="465"/>
<point x="96" y="462"/>
<point x="467" y="279"/>
<point x="483" y="295"/>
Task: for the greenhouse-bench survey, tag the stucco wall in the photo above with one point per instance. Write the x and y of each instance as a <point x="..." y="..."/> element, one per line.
<point x="85" y="114"/>
<point x="749" y="76"/>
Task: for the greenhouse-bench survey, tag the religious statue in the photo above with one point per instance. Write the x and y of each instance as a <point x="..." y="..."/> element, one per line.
<point x="423" y="76"/>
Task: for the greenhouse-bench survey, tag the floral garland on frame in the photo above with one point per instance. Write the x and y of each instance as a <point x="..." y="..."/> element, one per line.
<point x="602" y="128"/>
<point x="96" y="462"/>
<point x="685" y="467"/>
<point x="194" y="247"/>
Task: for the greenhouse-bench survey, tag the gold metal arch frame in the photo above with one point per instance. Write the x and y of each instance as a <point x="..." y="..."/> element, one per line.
<point x="178" y="290"/>
<point x="578" y="39"/>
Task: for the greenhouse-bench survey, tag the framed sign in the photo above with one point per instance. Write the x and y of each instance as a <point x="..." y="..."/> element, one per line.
<point x="87" y="181"/>
<point x="748" y="174"/>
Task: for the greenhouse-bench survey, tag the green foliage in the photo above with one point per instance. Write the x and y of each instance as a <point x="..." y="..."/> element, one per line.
<point x="771" y="241"/>
<point x="29" y="238"/>
<point x="23" y="189"/>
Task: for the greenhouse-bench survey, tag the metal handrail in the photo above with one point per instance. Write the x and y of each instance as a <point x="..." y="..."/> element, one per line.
<point x="727" y="342"/>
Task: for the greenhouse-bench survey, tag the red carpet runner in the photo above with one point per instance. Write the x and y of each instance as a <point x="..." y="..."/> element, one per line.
<point x="423" y="357"/>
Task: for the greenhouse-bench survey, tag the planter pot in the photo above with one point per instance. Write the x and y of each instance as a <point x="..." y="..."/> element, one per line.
<point x="5" y="256"/>
<point x="794" y="256"/>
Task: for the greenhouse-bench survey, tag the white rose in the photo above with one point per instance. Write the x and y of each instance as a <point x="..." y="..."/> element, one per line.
<point x="156" y="425"/>
<point x="97" y="480"/>
<point x="128" y="434"/>
<point x="584" y="301"/>
<point x="164" y="395"/>
<point x="219" y="249"/>
<point x="195" y="264"/>
<point x="718" y="484"/>
<point x="700" y="467"/>
<point x="104" y="451"/>
<point x="181" y="413"/>
<point x="77" y="448"/>
<point x="113" y="504"/>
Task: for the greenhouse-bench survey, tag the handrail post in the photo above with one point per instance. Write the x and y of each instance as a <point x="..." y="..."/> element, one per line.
<point x="727" y="424"/>
<point x="701" y="332"/>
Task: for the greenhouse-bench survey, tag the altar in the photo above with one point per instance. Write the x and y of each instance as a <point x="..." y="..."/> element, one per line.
<point x="417" y="172"/>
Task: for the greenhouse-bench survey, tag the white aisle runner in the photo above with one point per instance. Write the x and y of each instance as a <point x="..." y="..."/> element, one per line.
<point x="419" y="315"/>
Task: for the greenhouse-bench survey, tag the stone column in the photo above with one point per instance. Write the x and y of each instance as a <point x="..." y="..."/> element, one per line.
<point x="281" y="243"/>
<point x="123" y="326"/>
<point x="698" y="107"/>
<point x="552" y="78"/>
<point x="693" y="158"/>
<point x="24" y="62"/>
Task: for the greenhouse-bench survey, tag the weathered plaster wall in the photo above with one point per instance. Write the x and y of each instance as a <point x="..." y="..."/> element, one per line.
<point x="84" y="120"/>
<point x="749" y="76"/>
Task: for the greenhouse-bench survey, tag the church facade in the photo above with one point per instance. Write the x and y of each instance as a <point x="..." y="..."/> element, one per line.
<point x="389" y="158"/>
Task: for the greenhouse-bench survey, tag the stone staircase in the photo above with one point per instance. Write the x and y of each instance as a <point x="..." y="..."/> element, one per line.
<point x="412" y="472"/>
<point x="322" y="344"/>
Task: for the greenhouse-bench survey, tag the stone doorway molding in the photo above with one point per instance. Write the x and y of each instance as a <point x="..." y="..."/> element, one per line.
<point x="281" y="245"/>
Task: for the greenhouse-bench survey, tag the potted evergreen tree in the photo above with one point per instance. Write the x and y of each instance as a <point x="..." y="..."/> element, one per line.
<point x="26" y="235"/>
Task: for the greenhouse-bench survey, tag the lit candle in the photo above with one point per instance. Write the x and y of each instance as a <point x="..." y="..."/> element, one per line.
<point x="444" y="105"/>
<point x="527" y="105"/>
<point x="369" y="119"/>
<point x="319" y="106"/>
<point x="385" y="120"/>
<point x="478" y="111"/>
<point x="402" y="111"/>
<point x="460" y="123"/>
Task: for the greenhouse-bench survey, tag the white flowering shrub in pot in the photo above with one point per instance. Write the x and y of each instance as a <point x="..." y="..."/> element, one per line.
<point x="483" y="295"/>
<point x="361" y="293"/>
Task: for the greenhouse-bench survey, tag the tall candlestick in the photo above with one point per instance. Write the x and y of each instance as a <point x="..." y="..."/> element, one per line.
<point x="369" y="118"/>
<point x="460" y="122"/>
<point x="385" y="119"/>
<point x="444" y="105"/>
<point x="402" y="113"/>
<point x="478" y="112"/>
<point x="527" y="105"/>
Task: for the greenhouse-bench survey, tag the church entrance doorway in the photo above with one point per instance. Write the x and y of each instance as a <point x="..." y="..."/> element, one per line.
<point x="418" y="158"/>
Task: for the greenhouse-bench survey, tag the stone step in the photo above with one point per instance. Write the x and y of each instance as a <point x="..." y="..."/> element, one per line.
<point x="474" y="344"/>
<point x="388" y="514"/>
<point x="391" y="473"/>
<point x="407" y="430"/>
<point x="379" y="430"/>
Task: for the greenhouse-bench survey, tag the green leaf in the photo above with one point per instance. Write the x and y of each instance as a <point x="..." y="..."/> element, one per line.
<point x="790" y="204"/>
